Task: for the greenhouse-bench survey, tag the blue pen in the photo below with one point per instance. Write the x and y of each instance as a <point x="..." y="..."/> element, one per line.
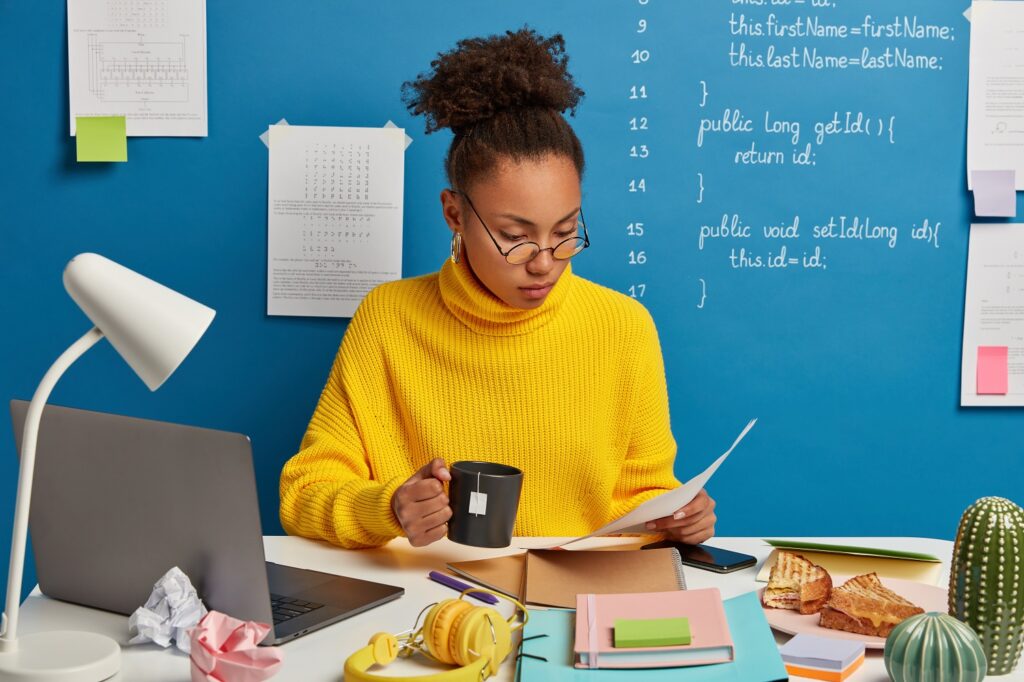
<point x="460" y="586"/>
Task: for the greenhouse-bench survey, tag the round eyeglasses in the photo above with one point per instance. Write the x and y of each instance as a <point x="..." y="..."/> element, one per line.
<point x="527" y="251"/>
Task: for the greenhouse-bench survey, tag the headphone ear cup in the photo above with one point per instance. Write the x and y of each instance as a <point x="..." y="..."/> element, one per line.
<point x="384" y="647"/>
<point x="481" y="633"/>
<point x="462" y="641"/>
<point x="438" y="626"/>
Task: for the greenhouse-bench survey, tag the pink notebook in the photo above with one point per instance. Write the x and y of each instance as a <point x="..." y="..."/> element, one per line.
<point x="710" y="641"/>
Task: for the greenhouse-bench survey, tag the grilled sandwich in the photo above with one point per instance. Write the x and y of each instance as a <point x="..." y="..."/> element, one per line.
<point x="797" y="584"/>
<point x="865" y="606"/>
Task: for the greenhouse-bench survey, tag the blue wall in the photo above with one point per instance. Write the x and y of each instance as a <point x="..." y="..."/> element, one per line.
<point x="852" y="369"/>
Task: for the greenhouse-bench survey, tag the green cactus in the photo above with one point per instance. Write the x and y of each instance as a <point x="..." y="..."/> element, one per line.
<point x="986" y="580"/>
<point x="934" y="646"/>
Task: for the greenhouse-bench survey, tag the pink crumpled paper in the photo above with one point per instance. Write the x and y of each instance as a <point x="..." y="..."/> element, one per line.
<point x="225" y="649"/>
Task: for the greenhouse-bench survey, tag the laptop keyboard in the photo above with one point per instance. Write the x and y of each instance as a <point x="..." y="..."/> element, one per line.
<point x="286" y="608"/>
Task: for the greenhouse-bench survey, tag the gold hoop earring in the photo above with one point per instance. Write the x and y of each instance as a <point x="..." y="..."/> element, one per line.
<point x="456" y="247"/>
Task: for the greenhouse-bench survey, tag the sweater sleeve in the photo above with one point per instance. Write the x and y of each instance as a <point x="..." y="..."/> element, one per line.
<point x="327" y="489"/>
<point x="648" y="467"/>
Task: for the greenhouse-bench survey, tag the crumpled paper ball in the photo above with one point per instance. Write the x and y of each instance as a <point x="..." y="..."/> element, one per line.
<point x="172" y="608"/>
<point x="225" y="649"/>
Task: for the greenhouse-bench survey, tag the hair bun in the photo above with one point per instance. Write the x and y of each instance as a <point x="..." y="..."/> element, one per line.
<point x="482" y="77"/>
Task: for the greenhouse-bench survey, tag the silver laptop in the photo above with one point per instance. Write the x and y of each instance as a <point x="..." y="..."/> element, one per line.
<point x="118" y="501"/>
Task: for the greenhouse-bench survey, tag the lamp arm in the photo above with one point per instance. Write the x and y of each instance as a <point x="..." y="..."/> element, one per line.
<point x="9" y="628"/>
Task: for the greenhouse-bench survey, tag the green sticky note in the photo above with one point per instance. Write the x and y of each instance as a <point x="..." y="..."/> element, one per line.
<point x="101" y="138"/>
<point x="631" y="633"/>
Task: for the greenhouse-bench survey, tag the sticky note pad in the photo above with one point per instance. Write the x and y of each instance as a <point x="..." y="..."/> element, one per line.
<point x="101" y="138"/>
<point x="995" y="193"/>
<point x="993" y="370"/>
<point x="631" y="633"/>
<point x="821" y="652"/>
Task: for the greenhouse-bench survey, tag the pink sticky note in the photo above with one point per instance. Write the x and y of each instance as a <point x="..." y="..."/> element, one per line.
<point x="993" y="370"/>
<point x="995" y="193"/>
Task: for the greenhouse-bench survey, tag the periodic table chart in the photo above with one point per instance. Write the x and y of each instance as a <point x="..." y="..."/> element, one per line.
<point x="141" y="59"/>
<point x="335" y="217"/>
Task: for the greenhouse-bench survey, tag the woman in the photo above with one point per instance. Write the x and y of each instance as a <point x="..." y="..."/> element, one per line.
<point x="504" y="355"/>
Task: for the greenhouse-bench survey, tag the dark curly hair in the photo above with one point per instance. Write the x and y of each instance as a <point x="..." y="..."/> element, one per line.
<point x="503" y="97"/>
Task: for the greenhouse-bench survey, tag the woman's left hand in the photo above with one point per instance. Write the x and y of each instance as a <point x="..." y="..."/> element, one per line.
<point x="692" y="524"/>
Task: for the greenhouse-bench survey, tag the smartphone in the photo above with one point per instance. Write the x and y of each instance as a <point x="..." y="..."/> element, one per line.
<point x="707" y="557"/>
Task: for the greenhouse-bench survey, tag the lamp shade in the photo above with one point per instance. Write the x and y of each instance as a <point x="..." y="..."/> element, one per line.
<point x="151" y="326"/>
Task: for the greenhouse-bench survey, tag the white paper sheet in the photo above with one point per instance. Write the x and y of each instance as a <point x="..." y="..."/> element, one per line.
<point x="144" y="59"/>
<point x="994" y="309"/>
<point x="334" y="215"/>
<point x="995" y="110"/>
<point x="663" y="505"/>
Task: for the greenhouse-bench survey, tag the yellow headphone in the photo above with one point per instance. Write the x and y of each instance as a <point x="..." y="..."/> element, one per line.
<point x="455" y="632"/>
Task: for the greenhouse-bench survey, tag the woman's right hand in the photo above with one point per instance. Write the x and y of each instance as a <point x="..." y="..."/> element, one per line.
<point x="421" y="506"/>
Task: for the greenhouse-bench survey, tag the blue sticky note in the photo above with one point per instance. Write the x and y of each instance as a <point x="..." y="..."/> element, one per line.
<point x="756" y="659"/>
<point x="821" y="652"/>
<point x="995" y="193"/>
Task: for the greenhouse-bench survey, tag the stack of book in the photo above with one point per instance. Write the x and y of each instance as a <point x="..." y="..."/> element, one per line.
<point x="600" y="618"/>
<point x="548" y="655"/>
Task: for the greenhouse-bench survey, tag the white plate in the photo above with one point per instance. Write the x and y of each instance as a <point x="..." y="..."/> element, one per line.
<point x="928" y="597"/>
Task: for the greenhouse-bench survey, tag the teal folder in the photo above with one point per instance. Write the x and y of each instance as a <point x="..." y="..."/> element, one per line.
<point x="757" y="657"/>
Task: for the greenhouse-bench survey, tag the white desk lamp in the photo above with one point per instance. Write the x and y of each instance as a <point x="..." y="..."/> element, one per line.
<point x="153" y="328"/>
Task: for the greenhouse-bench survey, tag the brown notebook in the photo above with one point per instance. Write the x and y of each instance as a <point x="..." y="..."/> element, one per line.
<point x="502" y="574"/>
<point x="554" y="577"/>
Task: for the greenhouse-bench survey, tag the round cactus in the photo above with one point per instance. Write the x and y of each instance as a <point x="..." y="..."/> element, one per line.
<point x="934" y="646"/>
<point x="986" y="581"/>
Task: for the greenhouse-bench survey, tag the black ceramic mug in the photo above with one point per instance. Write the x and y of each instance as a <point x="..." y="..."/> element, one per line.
<point x="484" y="498"/>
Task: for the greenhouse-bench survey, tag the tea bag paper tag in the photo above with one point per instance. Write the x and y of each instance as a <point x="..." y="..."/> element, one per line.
<point x="478" y="503"/>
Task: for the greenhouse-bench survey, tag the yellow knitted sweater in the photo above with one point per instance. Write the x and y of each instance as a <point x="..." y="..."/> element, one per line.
<point x="572" y="393"/>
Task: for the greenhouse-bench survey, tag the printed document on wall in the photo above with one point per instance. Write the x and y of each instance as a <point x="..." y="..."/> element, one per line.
<point x="143" y="59"/>
<point x="334" y="217"/>
<point x="995" y="110"/>
<point x="994" y="312"/>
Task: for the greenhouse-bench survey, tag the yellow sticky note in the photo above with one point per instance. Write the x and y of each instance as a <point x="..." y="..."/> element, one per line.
<point x="101" y="138"/>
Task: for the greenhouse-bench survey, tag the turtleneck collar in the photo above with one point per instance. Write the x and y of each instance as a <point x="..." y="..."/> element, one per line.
<point x="483" y="312"/>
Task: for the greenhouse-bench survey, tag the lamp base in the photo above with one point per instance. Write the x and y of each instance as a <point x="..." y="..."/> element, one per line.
<point x="61" y="656"/>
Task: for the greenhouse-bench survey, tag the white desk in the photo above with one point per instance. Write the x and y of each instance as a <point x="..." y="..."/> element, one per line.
<point x="320" y="656"/>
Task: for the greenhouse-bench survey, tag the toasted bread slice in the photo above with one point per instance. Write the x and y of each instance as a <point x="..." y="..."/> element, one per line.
<point x="865" y="606"/>
<point x="797" y="584"/>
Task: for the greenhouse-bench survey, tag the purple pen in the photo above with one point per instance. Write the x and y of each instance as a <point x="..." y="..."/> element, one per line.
<point x="460" y="586"/>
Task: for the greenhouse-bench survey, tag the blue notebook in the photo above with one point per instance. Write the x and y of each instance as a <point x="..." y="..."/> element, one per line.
<point x="757" y="657"/>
